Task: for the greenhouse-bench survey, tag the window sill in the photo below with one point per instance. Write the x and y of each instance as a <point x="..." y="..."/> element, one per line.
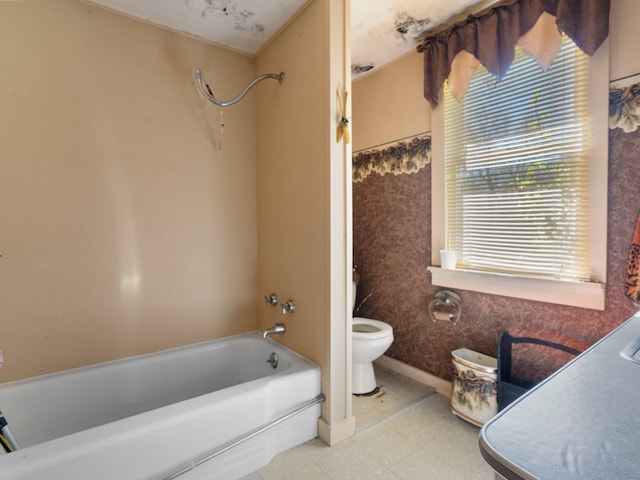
<point x="562" y="292"/>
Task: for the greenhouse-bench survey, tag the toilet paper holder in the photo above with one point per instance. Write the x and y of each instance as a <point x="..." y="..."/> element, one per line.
<point x="445" y="307"/>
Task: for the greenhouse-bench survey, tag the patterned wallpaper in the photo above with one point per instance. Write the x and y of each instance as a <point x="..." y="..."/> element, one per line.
<point x="392" y="248"/>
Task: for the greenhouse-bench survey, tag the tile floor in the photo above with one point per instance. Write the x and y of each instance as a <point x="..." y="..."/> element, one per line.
<point x="406" y="431"/>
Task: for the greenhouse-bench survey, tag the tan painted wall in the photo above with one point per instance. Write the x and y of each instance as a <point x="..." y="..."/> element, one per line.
<point x="293" y="183"/>
<point x="123" y="229"/>
<point x="623" y="36"/>
<point x="303" y="251"/>
<point x="388" y="103"/>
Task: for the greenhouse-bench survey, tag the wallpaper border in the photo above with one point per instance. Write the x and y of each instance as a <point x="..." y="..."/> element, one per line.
<point x="624" y="103"/>
<point x="402" y="157"/>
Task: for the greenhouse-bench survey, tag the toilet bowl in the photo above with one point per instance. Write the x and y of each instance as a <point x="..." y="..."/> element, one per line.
<point x="369" y="340"/>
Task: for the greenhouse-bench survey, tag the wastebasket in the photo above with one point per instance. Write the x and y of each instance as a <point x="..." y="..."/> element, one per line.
<point x="474" y="396"/>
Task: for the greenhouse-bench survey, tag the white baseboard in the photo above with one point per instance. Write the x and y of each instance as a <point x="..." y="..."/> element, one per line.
<point x="443" y="387"/>
<point x="339" y="431"/>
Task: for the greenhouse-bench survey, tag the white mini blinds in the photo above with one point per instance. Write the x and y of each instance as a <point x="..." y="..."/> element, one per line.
<point x="517" y="169"/>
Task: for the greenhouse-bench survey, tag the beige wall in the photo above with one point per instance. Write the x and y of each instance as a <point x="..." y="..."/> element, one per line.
<point x="388" y="103"/>
<point x="624" y="38"/>
<point x="302" y="222"/>
<point x="292" y="182"/>
<point x="123" y="228"/>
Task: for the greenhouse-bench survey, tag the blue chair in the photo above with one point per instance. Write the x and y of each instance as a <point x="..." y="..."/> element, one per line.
<point x="510" y="386"/>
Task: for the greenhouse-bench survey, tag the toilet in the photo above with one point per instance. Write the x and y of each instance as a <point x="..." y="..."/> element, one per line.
<point x="370" y="339"/>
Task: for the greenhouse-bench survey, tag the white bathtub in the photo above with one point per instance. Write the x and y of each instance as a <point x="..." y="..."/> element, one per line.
<point x="150" y="416"/>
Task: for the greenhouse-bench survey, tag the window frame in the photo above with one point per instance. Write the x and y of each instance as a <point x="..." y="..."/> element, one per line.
<point x="565" y="292"/>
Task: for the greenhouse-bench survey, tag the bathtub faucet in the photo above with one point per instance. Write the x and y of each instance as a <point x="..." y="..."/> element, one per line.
<point x="277" y="328"/>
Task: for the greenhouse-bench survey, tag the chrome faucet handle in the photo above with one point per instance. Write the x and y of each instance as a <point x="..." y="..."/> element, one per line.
<point x="288" y="307"/>
<point x="271" y="299"/>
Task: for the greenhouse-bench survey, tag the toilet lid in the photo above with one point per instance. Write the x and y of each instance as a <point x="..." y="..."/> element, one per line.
<point x="368" y="328"/>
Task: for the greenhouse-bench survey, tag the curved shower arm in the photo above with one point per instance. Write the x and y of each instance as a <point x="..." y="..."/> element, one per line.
<point x="209" y="95"/>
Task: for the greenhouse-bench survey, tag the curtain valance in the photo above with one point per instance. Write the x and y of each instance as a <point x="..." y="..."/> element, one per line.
<point x="490" y="39"/>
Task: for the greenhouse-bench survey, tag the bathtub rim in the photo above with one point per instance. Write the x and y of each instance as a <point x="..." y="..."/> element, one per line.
<point x="196" y="345"/>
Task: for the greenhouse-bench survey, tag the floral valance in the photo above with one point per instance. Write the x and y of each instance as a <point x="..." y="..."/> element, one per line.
<point x="490" y="39"/>
<point x="401" y="157"/>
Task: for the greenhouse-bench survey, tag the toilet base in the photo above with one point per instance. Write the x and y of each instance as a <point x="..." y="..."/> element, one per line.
<point x="364" y="378"/>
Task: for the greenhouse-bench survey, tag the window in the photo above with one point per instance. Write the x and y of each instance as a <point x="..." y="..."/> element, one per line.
<point x="522" y="166"/>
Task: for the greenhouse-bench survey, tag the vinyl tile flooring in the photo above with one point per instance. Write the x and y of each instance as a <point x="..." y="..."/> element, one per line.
<point x="404" y="432"/>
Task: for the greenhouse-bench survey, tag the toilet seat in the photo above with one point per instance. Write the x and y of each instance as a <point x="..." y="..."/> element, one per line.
<point x="367" y="328"/>
<point x="370" y="339"/>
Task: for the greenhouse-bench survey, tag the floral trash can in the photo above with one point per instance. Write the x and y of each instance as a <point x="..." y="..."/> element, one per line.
<point x="474" y="396"/>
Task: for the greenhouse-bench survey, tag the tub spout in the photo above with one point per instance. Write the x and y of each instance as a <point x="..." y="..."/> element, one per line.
<point x="277" y="328"/>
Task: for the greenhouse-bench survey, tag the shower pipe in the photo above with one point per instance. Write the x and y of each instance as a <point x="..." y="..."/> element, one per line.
<point x="208" y="94"/>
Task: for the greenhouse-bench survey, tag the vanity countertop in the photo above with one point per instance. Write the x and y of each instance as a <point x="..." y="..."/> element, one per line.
<point x="583" y="422"/>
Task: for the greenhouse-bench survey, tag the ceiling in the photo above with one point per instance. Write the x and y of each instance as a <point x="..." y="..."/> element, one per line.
<point x="381" y="30"/>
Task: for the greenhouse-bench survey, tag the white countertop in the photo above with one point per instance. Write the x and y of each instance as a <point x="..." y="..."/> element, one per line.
<point x="583" y="422"/>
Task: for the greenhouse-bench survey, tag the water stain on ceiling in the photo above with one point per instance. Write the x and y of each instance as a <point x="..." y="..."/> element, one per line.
<point x="243" y="19"/>
<point x="381" y="30"/>
<point x="405" y="24"/>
